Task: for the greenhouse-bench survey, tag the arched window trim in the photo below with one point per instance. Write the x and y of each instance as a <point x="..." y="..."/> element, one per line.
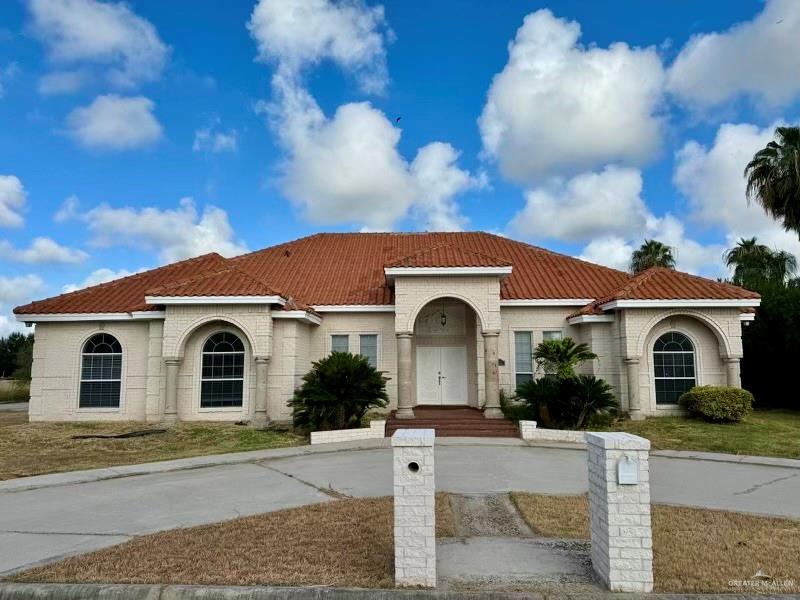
<point x="222" y="373"/>
<point x="686" y="381"/>
<point x="100" y="381"/>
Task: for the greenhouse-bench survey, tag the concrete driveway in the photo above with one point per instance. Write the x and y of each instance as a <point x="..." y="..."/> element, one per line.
<point x="38" y="525"/>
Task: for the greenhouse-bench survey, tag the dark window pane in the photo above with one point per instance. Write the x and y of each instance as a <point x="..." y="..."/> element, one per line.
<point x="99" y="394"/>
<point x="218" y="394"/>
<point x="523" y="378"/>
<point x="102" y="343"/>
<point x="223" y="342"/>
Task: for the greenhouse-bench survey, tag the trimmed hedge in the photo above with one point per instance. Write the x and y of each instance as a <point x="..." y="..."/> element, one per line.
<point x="717" y="403"/>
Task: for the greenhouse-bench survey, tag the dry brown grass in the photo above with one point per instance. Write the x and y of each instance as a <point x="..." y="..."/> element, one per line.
<point x="694" y="550"/>
<point x="339" y="543"/>
<point x="37" y="448"/>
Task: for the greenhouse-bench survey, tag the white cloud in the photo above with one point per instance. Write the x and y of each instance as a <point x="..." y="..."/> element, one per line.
<point x="712" y="180"/>
<point x="611" y="251"/>
<point x="560" y="107"/>
<point x="62" y="82"/>
<point x="758" y="58"/>
<point x="300" y="33"/>
<point x="104" y="33"/>
<point x="607" y="203"/>
<point x="14" y="291"/>
<point x="12" y="201"/>
<point x="347" y="169"/>
<point x="42" y="250"/>
<point x="115" y="123"/>
<point x="211" y="139"/>
<point x="68" y="210"/>
<point x="97" y="277"/>
<point x="174" y="233"/>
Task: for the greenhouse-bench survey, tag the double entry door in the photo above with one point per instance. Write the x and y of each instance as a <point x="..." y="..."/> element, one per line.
<point x="442" y="375"/>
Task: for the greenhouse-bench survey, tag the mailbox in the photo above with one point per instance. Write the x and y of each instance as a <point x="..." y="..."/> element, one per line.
<point x="627" y="471"/>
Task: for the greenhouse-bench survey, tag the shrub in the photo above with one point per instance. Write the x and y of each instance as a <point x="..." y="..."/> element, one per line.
<point x="570" y="402"/>
<point x="716" y="403"/>
<point x="337" y="392"/>
<point x="513" y="410"/>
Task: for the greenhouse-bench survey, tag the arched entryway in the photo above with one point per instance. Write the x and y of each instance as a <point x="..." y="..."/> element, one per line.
<point x="445" y="354"/>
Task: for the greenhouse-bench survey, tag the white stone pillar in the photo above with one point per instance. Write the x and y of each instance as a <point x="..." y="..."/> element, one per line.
<point x="619" y="505"/>
<point x="171" y="402"/>
<point x="491" y="409"/>
<point x="414" y="508"/>
<point x="733" y="370"/>
<point x="634" y="402"/>
<point x="260" y="404"/>
<point x="404" y="390"/>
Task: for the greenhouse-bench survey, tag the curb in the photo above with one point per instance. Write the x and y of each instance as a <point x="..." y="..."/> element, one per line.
<point x="66" y="591"/>
<point x="739" y="459"/>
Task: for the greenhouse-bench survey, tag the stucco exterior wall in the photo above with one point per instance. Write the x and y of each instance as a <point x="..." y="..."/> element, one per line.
<point x="57" y="364"/>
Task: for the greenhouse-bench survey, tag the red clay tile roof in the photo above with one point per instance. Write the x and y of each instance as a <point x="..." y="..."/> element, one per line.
<point x="447" y="255"/>
<point x="125" y="294"/>
<point x="659" y="283"/>
<point x="228" y="281"/>
<point x="347" y="268"/>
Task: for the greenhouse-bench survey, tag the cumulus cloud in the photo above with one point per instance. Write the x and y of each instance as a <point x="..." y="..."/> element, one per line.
<point x="299" y="33"/>
<point x="558" y="107"/>
<point x="348" y="169"/>
<point x="62" y="82"/>
<point x="212" y="139"/>
<point x="13" y="291"/>
<point x="108" y="34"/>
<point x="97" y="277"/>
<point x="607" y="203"/>
<point x="175" y="234"/>
<point x="42" y="250"/>
<point x="12" y="201"/>
<point x="758" y="58"/>
<point x="115" y="123"/>
<point x="611" y="251"/>
<point x="711" y="178"/>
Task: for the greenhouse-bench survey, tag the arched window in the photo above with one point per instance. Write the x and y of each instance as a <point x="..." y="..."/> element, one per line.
<point x="673" y="365"/>
<point x="101" y="372"/>
<point x="222" y="379"/>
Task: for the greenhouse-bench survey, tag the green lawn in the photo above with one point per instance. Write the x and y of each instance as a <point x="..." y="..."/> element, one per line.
<point x="763" y="433"/>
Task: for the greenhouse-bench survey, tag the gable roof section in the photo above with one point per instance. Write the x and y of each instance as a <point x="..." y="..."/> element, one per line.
<point x="447" y="255"/>
<point x="348" y="269"/>
<point x="660" y="283"/>
<point x="228" y="281"/>
<point x="123" y="295"/>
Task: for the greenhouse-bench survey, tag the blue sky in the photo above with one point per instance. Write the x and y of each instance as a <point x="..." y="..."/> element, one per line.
<point x="138" y="133"/>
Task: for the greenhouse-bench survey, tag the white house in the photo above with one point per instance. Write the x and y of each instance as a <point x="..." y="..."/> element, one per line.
<point x="452" y="319"/>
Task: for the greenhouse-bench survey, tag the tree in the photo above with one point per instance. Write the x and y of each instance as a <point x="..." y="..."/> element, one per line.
<point x="652" y="254"/>
<point x="773" y="178"/>
<point x="560" y="357"/>
<point x="756" y="265"/>
<point x="337" y="392"/>
<point x="10" y="352"/>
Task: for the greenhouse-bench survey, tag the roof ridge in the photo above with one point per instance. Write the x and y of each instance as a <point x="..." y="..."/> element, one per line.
<point x="434" y="247"/>
<point x="209" y="274"/>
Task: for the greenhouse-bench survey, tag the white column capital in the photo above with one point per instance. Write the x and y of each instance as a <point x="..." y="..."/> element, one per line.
<point x="491" y="333"/>
<point x="261" y="359"/>
<point x="632" y="360"/>
<point x="404" y="334"/>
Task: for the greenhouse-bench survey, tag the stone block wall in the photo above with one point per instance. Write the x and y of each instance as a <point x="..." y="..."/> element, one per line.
<point x="621" y="530"/>
<point x="376" y="430"/>
<point x="414" y="508"/>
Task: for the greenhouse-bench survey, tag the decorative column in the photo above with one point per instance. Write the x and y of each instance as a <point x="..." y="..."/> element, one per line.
<point x="492" y="405"/>
<point x="260" y="402"/>
<point x="632" y="372"/>
<point x="732" y="368"/>
<point x="171" y="403"/>
<point x="404" y="391"/>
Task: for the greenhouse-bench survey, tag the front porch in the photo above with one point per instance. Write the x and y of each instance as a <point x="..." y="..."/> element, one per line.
<point x="453" y="421"/>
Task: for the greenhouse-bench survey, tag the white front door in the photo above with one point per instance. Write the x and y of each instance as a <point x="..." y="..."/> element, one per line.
<point x="442" y="375"/>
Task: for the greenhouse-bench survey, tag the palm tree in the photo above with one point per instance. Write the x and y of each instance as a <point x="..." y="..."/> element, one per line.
<point x="652" y="254"/>
<point x="773" y="177"/>
<point x="560" y="357"/>
<point x="754" y="264"/>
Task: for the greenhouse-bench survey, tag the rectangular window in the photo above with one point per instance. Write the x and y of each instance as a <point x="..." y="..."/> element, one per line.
<point x="553" y="335"/>
<point x="101" y="376"/>
<point x="523" y="357"/>
<point x="368" y="348"/>
<point x="340" y="343"/>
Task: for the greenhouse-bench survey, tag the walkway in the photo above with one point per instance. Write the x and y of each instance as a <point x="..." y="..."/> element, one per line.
<point x="40" y="524"/>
